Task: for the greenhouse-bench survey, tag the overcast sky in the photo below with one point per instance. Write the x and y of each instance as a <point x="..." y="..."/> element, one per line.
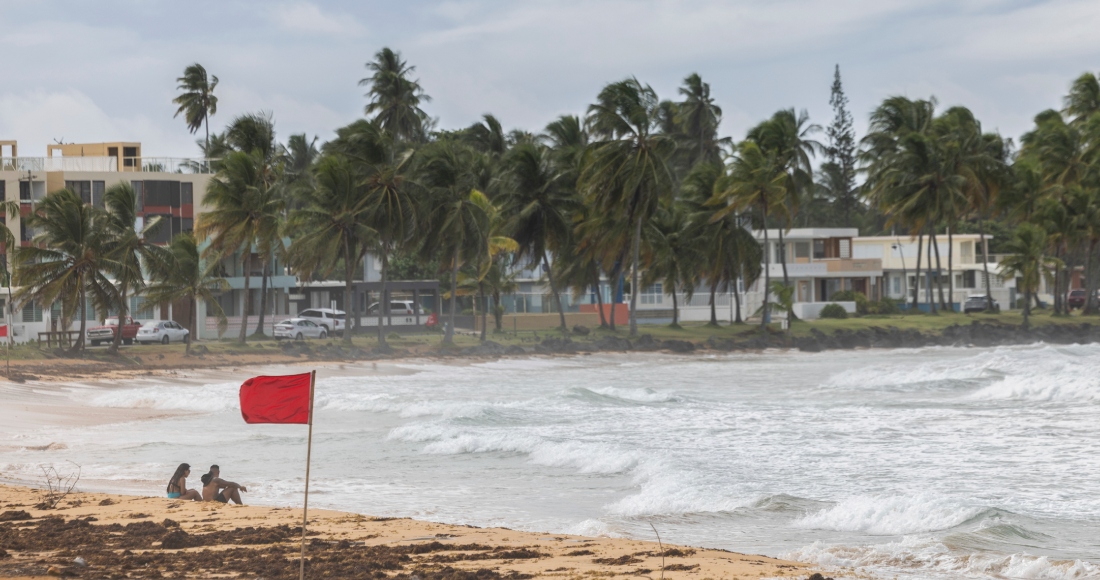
<point x="106" y="70"/>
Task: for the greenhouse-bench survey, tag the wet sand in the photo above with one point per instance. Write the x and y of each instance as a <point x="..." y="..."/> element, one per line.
<point x="153" y="537"/>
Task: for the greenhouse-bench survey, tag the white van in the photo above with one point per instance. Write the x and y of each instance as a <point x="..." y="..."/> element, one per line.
<point x="402" y="313"/>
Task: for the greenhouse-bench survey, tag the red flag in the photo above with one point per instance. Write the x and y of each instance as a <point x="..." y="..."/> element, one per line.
<point x="283" y="399"/>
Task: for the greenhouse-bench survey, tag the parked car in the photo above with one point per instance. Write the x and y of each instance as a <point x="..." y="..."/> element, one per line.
<point x="980" y="303"/>
<point x="1076" y="298"/>
<point x="299" y="329"/>
<point x="106" y="333"/>
<point x="162" y="331"/>
<point x="332" y="320"/>
<point x="401" y="313"/>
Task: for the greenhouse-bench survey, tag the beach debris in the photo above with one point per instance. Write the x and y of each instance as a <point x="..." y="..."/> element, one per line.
<point x="107" y="501"/>
<point x="170" y="523"/>
<point x="58" y="485"/>
<point x="14" y="516"/>
<point x="818" y="576"/>
<point x="4" y="554"/>
<point x="79" y="561"/>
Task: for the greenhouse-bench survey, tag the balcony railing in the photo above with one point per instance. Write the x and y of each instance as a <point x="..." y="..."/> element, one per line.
<point x="110" y="164"/>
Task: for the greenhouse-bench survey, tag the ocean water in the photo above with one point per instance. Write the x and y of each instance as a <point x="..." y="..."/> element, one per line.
<point x="927" y="463"/>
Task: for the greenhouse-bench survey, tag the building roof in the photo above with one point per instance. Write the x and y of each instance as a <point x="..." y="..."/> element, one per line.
<point x="809" y="233"/>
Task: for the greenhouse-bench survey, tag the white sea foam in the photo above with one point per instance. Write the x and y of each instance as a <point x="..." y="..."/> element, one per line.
<point x="641" y="395"/>
<point x="926" y="557"/>
<point x="204" y="399"/>
<point x="890" y="515"/>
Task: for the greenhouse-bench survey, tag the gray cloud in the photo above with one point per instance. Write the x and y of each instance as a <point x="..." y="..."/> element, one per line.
<point x="106" y="71"/>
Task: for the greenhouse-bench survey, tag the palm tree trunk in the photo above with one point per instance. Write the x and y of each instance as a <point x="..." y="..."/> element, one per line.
<point x="675" y="310"/>
<point x="766" y="312"/>
<point x="349" y="291"/>
<point x="736" y="303"/>
<point x="79" y="344"/>
<point x="599" y="300"/>
<point x="121" y="320"/>
<point x="782" y="256"/>
<point x="950" y="271"/>
<point x="1027" y="306"/>
<point x="939" y="269"/>
<point x="448" y="337"/>
<point x="263" y="296"/>
<point x="1090" y="274"/>
<point x="191" y="326"/>
<point x="1061" y="306"/>
<point x="484" y="310"/>
<point x="985" y="262"/>
<point x="498" y="312"/>
<point x="383" y="302"/>
<point x="554" y="290"/>
<point x="634" y="289"/>
<point x="616" y="273"/>
<point x="247" y="295"/>
<point x="916" y="285"/>
<point x="928" y="293"/>
<point x="713" y="306"/>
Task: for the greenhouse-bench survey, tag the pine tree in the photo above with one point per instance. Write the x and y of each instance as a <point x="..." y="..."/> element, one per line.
<point x="842" y="151"/>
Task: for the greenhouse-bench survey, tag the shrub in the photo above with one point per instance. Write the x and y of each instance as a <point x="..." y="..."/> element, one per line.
<point x="863" y="306"/>
<point x="885" y="306"/>
<point x="834" y="311"/>
<point x="393" y="336"/>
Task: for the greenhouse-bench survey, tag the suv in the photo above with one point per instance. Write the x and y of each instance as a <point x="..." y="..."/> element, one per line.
<point x="332" y="320"/>
<point x="397" y="308"/>
<point x="980" y="303"/>
<point x="1076" y="298"/>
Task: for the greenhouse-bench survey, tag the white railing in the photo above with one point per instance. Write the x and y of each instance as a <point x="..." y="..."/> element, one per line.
<point x="169" y="165"/>
<point x="110" y="164"/>
<point x="98" y="164"/>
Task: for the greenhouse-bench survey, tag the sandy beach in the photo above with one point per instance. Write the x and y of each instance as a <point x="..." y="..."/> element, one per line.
<point x="152" y="537"/>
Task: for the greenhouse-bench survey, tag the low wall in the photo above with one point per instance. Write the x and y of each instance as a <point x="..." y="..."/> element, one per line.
<point x="512" y="322"/>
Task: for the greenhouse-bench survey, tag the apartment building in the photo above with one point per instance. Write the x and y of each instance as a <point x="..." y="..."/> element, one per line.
<point x="898" y="255"/>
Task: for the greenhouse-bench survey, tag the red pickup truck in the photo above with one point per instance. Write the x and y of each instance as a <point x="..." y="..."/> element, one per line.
<point x="106" y="333"/>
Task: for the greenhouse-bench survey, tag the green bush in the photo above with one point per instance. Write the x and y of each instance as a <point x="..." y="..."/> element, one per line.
<point x="863" y="306"/>
<point x="885" y="306"/>
<point x="834" y="311"/>
<point x="393" y="336"/>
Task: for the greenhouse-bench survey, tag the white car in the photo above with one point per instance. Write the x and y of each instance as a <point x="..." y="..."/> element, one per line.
<point x="332" y="320"/>
<point x="397" y="308"/>
<point x="299" y="329"/>
<point x="162" y="331"/>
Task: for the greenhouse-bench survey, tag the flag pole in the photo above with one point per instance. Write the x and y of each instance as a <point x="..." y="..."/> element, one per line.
<point x="305" y="505"/>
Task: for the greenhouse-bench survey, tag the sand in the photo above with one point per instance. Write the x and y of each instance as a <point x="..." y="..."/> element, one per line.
<point x="153" y="537"/>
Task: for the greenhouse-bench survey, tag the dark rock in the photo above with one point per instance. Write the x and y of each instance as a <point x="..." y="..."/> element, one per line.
<point x="818" y="576"/>
<point x="515" y="349"/>
<point x="487" y="348"/>
<point x="170" y="523"/>
<point x="646" y="342"/>
<point x="554" y="345"/>
<point x="680" y="346"/>
<point x="723" y="344"/>
<point x="612" y="343"/>
<point x="175" y="540"/>
<point x="581" y="330"/>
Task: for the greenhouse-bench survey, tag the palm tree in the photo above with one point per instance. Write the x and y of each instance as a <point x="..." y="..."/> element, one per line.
<point x="67" y="260"/>
<point x="8" y="208"/>
<point x="178" y="272"/>
<point x="1083" y="99"/>
<point x="244" y="211"/>
<point x="1027" y="261"/>
<point x="331" y="226"/>
<point x="756" y="180"/>
<point x="395" y="98"/>
<point x="455" y="220"/>
<point x="698" y="118"/>
<point x="126" y="248"/>
<point x="626" y="174"/>
<point x="197" y="101"/>
<point x="676" y="252"/>
<point x="540" y="205"/>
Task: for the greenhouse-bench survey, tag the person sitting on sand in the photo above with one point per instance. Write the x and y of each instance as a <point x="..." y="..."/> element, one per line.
<point x="177" y="486"/>
<point x="215" y="488"/>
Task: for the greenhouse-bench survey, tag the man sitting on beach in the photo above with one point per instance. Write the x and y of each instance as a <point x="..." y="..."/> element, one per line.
<point x="215" y="488"/>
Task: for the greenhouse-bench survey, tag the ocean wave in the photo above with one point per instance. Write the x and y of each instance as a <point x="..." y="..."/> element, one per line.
<point x="442" y="439"/>
<point x="615" y="394"/>
<point x="212" y="398"/>
<point x="891" y="515"/>
<point x="932" y="559"/>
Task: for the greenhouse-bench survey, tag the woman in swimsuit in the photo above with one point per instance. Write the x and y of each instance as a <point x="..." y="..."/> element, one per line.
<point x="177" y="486"/>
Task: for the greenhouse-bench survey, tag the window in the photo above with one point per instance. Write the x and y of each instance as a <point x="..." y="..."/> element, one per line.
<point x="162" y="193"/>
<point x="897" y="285"/>
<point x="819" y="249"/>
<point x="32" y="312"/>
<point x="3" y="190"/>
<point x="312" y="313"/>
<point x="129" y="155"/>
<point x="801" y="250"/>
<point x="81" y="188"/>
<point x="97" y="193"/>
<point x="24" y="191"/>
<point x="139" y="193"/>
<point x="26" y="233"/>
<point x="966" y="253"/>
<point x="653" y="295"/>
<point x="162" y="232"/>
<point x="845" y="248"/>
<point x="779" y="251"/>
<point x="187" y="225"/>
<point x="3" y="308"/>
<point x="969" y="279"/>
<point x="187" y="196"/>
